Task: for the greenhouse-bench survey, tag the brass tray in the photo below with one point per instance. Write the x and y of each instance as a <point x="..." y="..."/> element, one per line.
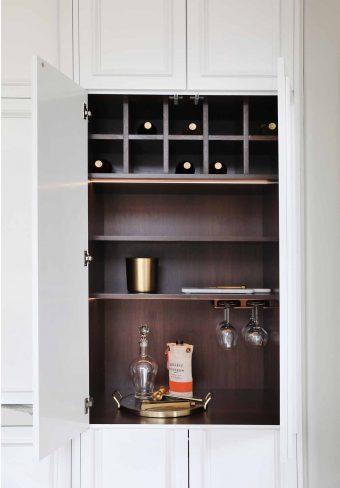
<point x="161" y="409"/>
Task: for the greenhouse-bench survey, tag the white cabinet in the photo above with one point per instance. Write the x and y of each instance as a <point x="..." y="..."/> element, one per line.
<point x="215" y="457"/>
<point x="236" y="457"/>
<point x="33" y="27"/>
<point x="132" y="45"/>
<point x="232" y="44"/>
<point x="19" y="467"/>
<point x="206" y="45"/>
<point x="131" y="457"/>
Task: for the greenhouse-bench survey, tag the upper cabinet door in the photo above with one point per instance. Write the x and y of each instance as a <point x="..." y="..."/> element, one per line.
<point x="60" y="279"/>
<point x="232" y="44"/>
<point x="132" y="45"/>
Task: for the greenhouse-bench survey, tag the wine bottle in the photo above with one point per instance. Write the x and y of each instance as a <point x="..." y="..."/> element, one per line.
<point x="185" y="167"/>
<point x="100" y="166"/>
<point x="217" y="168"/>
<point x="147" y="127"/>
<point x="192" y="128"/>
<point x="269" y="128"/>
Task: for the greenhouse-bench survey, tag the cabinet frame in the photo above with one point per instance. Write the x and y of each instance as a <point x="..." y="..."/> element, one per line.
<point x="291" y="290"/>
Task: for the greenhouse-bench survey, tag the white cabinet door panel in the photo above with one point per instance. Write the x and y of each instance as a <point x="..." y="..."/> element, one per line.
<point x="60" y="280"/>
<point x="132" y="45"/>
<point x="233" y="458"/>
<point x="232" y="44"/>
<point x="130" y="457"/>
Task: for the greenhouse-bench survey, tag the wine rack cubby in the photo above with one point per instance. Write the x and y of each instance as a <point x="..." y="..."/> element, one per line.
<point x="229" y="129"/>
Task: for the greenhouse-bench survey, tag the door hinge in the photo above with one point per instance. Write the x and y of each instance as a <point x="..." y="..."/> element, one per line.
<point x="86" y="112"/>
<point x="87" y="258"/>
<point x="88" y="402"/>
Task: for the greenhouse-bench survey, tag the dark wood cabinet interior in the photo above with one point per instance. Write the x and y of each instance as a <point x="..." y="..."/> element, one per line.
<point x="206" y="231"/>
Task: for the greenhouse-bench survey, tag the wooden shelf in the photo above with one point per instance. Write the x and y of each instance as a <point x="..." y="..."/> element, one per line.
<point x="248" y="179"/>
<point x="225" y="138"/>
<point x="104" y="137"/>
<point x="263" y="138"/>
<point x="146" y="137"/>
<point x="181" y="137"/>
<point x="185" y="296"/>
<point x="108" y="238"/>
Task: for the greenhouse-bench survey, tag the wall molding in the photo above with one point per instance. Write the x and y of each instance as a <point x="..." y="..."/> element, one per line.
<point x="17" y="436"/>
<point x="16" y="395"/>
<point x="16" y="108"/>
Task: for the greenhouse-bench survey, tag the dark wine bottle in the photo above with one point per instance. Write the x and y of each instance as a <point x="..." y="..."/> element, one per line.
<point x="192" y="128"/>
<point x="268" y="129"/>
<point x="217" y="168"/>
<point x="100" y="166"/>
<point x="147" y="127"/>
<point x="185" y="167"/>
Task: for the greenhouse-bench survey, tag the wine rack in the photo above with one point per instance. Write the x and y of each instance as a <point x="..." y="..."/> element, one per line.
<point x="228" y="131"/>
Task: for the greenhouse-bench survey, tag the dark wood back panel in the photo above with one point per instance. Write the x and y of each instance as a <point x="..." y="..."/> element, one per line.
<point x="180" y="215"/>
<point x="182" y="264"/>
<point x="114" y="344"/>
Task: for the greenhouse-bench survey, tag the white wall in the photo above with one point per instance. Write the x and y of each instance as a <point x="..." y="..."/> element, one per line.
<point x="322" y="200"/>
<point x="34" y="27"/>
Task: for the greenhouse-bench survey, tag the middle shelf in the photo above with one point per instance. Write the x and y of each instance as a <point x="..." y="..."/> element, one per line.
<point x="183" y="238"/>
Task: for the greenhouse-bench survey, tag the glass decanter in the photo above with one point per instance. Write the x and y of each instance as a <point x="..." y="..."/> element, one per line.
<point x="143" y="369"/>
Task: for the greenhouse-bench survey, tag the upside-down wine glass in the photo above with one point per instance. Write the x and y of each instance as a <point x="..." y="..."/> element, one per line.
<point x="255" y="335"/>
<point x="226" y="333"/>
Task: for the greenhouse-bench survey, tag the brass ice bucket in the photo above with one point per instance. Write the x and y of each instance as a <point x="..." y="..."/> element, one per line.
<point x="141" y="275"/>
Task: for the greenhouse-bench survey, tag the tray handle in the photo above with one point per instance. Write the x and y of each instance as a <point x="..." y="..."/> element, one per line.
<point x="117" y="396"/>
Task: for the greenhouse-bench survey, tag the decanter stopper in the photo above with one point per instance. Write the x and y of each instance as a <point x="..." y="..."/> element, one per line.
<point x="143" y="369"/>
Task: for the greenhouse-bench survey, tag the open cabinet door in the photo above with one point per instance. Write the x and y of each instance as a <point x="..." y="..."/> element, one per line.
<point x="60" y="283"/>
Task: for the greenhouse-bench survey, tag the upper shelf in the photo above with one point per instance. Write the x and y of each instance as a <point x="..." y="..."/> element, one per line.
<point x="235" y="179"/>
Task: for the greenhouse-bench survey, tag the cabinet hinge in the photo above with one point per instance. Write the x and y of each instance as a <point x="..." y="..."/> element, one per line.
<point x="86" y="112"/>
<point x="87" y="258"/>
<point x="88" y="402"/>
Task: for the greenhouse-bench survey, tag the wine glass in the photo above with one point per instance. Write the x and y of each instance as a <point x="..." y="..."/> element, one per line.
<point x="251" y="323"/>
<point x="226" y="333"/>
<point x="255" y="335"/>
